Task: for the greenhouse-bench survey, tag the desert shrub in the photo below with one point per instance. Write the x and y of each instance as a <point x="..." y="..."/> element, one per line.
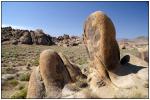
<point x="21" y="86"/>
<point x="4" y="64"/>
<point x="13" y="82"/>
<point x="81" y="61"/>
<point x="10" y="83"/>
<point x="39" y="30"/>
<point x="20" y="94"/>
<point x="24" y="77"/>
<point x="36" y="62"/>
<point x="8" y="69"/>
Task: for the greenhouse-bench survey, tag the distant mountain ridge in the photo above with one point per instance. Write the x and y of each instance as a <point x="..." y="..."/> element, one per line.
<point x="141" y="38"/>
<point x="137" y="39"/>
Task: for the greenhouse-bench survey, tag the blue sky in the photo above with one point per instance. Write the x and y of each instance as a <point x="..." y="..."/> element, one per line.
<point x="58" y="18"/>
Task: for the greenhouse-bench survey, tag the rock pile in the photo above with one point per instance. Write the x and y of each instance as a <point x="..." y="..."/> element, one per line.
<point x="17" y="36"/>
<point x="38" y="37"/>
<point x="66" y="40"/>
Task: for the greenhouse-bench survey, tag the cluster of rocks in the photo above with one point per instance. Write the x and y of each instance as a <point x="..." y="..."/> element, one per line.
<point x="142" y="50"/>
<point x="56" y="76"/>
<point x="17" y="36"/>
<point x="66" y="40"/>
<point x="38" y="37"/>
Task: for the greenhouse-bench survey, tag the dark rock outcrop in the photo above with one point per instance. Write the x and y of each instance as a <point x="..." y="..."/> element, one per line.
<point x="17" y="36"/>
<point x="26" y="38"/>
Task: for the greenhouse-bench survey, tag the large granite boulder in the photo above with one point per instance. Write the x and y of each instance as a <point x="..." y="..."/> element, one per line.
<point x="53" y="73"/>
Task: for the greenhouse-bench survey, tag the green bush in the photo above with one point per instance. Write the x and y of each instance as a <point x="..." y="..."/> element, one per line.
<point x="24" y="77"/>
<point x="20" y="94"/>
<point x="36" y="62"/>
<point x="12" y="82"/>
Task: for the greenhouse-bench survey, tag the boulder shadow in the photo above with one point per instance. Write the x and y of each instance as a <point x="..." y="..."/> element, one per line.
<point x="127" y="69"/>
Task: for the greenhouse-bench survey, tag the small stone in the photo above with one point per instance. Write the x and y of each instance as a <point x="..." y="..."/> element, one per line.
<point x="83" y="85"/>
<point x="28" y="66"/>
<point x="8" y="76"/>
<point x="83" y="76"/>
<point x="125" y="59"/>
<point x="123" y="47"/>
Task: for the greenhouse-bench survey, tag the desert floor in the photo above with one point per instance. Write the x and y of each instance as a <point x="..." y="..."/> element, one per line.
<point x="19" y="60"/>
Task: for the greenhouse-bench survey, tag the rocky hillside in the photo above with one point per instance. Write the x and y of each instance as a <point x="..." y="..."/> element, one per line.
<point x="140" y="40"/>
<point x="38" y="37"/>
<point x="67" y="40"/>
<point x="17" y="36"/>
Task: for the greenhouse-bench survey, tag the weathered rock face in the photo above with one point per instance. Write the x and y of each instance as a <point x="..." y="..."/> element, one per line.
<point x="41" y="38"/>
<point x="16" y="36"/>
<point x="73" y="70"/>
<point x="7" y="35"/>
<point x="26" y="38"/>
<point x="36" y="87"/>
<point x="53" y="73"/>
<point x="106" y="69"/>
<point x="100" y="40"/>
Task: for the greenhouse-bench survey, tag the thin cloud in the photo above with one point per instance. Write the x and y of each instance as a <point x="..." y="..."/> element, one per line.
<point x="18" y="27"/>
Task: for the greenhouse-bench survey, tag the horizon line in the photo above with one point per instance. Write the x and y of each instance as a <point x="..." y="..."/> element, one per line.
<point x="56" y="35"/>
